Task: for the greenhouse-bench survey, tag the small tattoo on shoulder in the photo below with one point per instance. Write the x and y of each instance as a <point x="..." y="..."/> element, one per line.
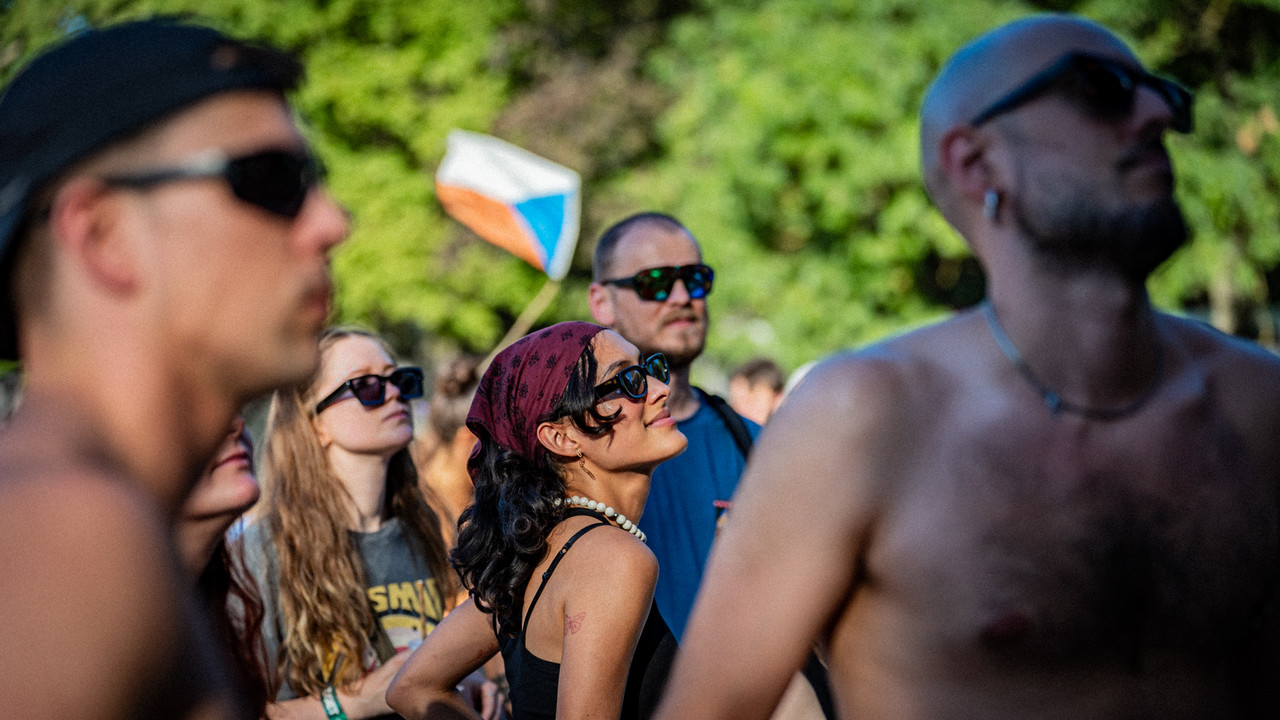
<point x="573" y="624"/>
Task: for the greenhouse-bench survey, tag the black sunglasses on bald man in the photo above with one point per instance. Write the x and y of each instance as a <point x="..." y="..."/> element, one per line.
<point x="371" y="390"/>
<point x="277" y="181"/>
<point x="1103" y="87"/>
<point x="656" y="283"/>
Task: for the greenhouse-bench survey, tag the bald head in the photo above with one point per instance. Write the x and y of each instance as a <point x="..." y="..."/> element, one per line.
<point x="992" y="65"/>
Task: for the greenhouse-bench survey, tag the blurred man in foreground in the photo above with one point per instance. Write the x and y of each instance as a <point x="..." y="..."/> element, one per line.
<point x="163" y="259"/>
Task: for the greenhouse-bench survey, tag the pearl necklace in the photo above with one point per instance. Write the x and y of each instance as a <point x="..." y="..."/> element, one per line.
<point x="613" y="515"/>
<point x="1051" y="398"/>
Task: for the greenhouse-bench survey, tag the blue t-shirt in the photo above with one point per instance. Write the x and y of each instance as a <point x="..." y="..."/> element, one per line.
<point x="680" y="514"/>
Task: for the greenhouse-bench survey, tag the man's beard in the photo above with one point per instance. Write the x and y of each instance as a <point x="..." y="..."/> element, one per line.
<point x="686" y="347"/>
<point x="1132" y="242"/>
<point x="683" y="356"/>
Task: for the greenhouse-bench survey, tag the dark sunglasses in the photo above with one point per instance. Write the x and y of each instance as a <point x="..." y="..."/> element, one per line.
<point x="277" y="181"/>
<point x="633" y="381"/>
<point x="656" y="283"/>
<point x="1105" y="88"/>
<point x="371" y="390"/>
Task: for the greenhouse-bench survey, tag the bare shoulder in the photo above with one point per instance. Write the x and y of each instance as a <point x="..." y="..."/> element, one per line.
<point x="612" y="559"/>
<point x="1243" y="372"/>
<point x="68" y="533"/>
<point x="75" y="512"/>
<point x="856" y="401"/>
<point x="1233" y="380"/>
<point x="1204" y="341"/>
<point x="877" y="379"/>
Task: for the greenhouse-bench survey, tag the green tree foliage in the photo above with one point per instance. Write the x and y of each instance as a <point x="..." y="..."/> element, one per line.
<point x="791" y="151"/>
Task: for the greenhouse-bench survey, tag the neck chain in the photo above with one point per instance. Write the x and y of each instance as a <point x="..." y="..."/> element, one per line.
<point x="1051" y="398"/>
<point x="612" y="515"/>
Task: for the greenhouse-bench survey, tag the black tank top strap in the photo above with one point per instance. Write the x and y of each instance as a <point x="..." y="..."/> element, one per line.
<point x="563" y="549"/>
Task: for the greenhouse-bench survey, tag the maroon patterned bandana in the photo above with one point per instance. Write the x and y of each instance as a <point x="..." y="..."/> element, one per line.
<point x="524" y="382"/>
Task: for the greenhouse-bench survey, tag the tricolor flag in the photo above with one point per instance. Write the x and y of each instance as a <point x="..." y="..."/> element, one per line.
<point x="523" y="203"/>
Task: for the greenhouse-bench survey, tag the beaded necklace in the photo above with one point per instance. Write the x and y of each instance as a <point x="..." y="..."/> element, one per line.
<point x="612" y="515"/>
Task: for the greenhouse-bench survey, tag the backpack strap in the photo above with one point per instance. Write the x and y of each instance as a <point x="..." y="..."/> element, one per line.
<point x="731" y="419"/>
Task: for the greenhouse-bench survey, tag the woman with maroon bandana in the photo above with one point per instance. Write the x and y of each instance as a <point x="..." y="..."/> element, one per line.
<point x="571" y="422"/>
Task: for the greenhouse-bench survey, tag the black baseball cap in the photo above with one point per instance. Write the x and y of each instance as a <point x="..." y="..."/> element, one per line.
<point x="102" y="86"/>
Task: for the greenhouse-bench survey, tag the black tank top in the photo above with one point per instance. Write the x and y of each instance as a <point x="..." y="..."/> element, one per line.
<point x="534" y="682"/>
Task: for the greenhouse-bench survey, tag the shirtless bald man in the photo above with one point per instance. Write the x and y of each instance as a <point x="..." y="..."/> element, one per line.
<point x="1061" y="504"/>
<point x="164" y="248"/>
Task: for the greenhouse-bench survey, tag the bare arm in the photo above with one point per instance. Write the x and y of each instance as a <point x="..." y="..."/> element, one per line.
<point x="606" y="605"/>
<point x="783" y="567"/>
<point x="364" y="698"/>
<point x="95" y="612"/>
<point x="426" y="686"/>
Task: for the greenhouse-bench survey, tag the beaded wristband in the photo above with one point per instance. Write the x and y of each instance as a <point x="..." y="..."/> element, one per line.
<point x="329" y="701"/>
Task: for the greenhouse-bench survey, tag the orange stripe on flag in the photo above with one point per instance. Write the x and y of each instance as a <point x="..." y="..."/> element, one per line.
<point x="491" y="220"/>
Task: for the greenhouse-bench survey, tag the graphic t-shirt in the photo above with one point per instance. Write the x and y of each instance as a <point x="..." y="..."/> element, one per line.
<point x="401" y="591"/>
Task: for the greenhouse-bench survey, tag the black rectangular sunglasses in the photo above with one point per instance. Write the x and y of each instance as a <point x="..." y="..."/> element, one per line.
<point x="632" y="380"/>
<point x="275" y="180"/>
<point x="656" y="283"/>
<point x="1104" y="87"/>
<point x="371" y="390"/>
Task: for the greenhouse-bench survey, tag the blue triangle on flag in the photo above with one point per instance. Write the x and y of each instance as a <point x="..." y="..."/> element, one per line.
<point x="545" y="216"/>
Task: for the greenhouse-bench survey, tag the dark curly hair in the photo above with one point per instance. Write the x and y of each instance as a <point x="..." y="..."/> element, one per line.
<point x="503" y="536"/>
<point x="225" y="578"/>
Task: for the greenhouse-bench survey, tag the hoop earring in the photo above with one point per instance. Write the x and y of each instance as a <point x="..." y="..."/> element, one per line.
<point x="990" y="204"/>
<point x="585" y="469"/>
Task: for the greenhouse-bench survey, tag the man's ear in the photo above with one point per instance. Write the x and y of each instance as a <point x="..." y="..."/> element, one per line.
<point x="601" y="304"/>
<point x="556" y="438"/>
<point x="86" y="221"/>
<point x="963" y="156"/>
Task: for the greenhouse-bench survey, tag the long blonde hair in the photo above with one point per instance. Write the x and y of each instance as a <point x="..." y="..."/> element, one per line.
<point x="326" y="614"/>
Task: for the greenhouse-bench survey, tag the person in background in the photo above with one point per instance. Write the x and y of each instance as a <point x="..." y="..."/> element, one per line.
<point x="651" y="288"/>
<point x="445" y="443"/>
<point x="571" y="422"/>
<point x="755" y="389"/>
<point x="1060" y="504"/>
<point x="225" y="491"/>
<point x="347" y="554"/>
<point x="164" y="243"/>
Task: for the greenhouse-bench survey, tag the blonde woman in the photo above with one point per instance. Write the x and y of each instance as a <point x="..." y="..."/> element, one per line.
<point x="346" y="552"/>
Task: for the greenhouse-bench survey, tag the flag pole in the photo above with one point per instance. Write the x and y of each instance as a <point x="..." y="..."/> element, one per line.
<point x="528" y="316"/>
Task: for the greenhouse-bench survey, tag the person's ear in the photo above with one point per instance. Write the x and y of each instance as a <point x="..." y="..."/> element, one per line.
<point x="464" y="441"/>
<point x="86" y="220"/>
<point x="322" y="432"/>
<point x="963" y="153"/>
<point x="600" y="302"/>
<point x="557" y="439"/>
